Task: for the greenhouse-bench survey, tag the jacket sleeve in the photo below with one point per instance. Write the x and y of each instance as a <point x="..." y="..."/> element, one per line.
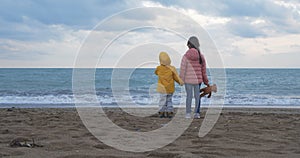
<point x="203" y="69"/>
<point x="156" y="71"/>
<point x="183" y="68"/>
<point x="175" y="75"/>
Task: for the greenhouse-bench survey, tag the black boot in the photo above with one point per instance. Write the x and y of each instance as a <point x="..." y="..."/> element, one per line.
<point x="161" y="114"/>
<point x="169" y="114"/>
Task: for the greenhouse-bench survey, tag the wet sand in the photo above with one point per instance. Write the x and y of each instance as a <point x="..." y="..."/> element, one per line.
<point x="237" y="133"/>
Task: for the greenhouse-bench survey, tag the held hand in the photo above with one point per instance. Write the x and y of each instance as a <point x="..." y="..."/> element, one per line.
<point x="181" y="83"/>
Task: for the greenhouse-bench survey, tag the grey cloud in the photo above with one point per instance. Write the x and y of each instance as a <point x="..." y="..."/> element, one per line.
<point x="243" y="28"/>
<point x="280" y="19"/>
<point x="33" y="19"/>
<point x="68" y="12"/>
<point x="21" y="55"/>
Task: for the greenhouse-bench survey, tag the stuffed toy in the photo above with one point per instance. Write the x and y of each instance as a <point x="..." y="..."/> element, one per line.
<point x="208" y="90"/>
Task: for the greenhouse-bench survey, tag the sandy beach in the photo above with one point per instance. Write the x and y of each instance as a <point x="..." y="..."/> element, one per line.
<point x="237" y="133"/>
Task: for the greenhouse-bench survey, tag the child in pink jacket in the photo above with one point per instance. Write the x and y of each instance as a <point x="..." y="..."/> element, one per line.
<point x="193" y="73"/>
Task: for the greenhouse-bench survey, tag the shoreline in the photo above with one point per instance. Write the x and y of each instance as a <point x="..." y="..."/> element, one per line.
<point x="261" y="109"/>
<point x="72" y="105"/>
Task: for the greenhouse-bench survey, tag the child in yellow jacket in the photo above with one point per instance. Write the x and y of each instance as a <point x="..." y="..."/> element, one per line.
<point x="167" y="74"/>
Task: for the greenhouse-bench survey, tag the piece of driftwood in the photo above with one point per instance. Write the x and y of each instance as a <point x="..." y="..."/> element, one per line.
<point x="24" y="142"/>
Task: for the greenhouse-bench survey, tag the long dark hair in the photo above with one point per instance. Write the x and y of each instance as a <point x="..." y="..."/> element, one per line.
<point x="193" y="42"/>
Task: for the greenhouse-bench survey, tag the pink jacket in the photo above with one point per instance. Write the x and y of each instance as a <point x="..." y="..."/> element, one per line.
<point x="191" y="71"/>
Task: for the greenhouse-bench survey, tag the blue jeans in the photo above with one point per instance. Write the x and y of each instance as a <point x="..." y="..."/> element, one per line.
<point x="190" y="89"/>
<point x="165" y="103"/>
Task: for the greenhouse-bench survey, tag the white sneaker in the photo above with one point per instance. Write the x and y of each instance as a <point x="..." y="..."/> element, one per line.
<point x="188" y="115"/>
<point x="197" y="116"/>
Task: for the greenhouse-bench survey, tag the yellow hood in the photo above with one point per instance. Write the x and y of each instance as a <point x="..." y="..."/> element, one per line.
<point x="164" y="59"/>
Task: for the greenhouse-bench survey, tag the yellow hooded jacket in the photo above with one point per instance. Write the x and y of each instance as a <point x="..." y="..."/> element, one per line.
<point x="167" y="74"/>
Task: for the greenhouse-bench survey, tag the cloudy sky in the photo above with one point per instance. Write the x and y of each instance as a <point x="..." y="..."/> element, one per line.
<point x="50" y="33"/>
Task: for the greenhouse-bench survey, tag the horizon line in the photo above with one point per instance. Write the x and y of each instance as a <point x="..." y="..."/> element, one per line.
<point x="145" y="67"/>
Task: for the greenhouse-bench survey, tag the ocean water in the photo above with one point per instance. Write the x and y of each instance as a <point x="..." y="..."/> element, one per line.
<point x="52" y="87"/>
